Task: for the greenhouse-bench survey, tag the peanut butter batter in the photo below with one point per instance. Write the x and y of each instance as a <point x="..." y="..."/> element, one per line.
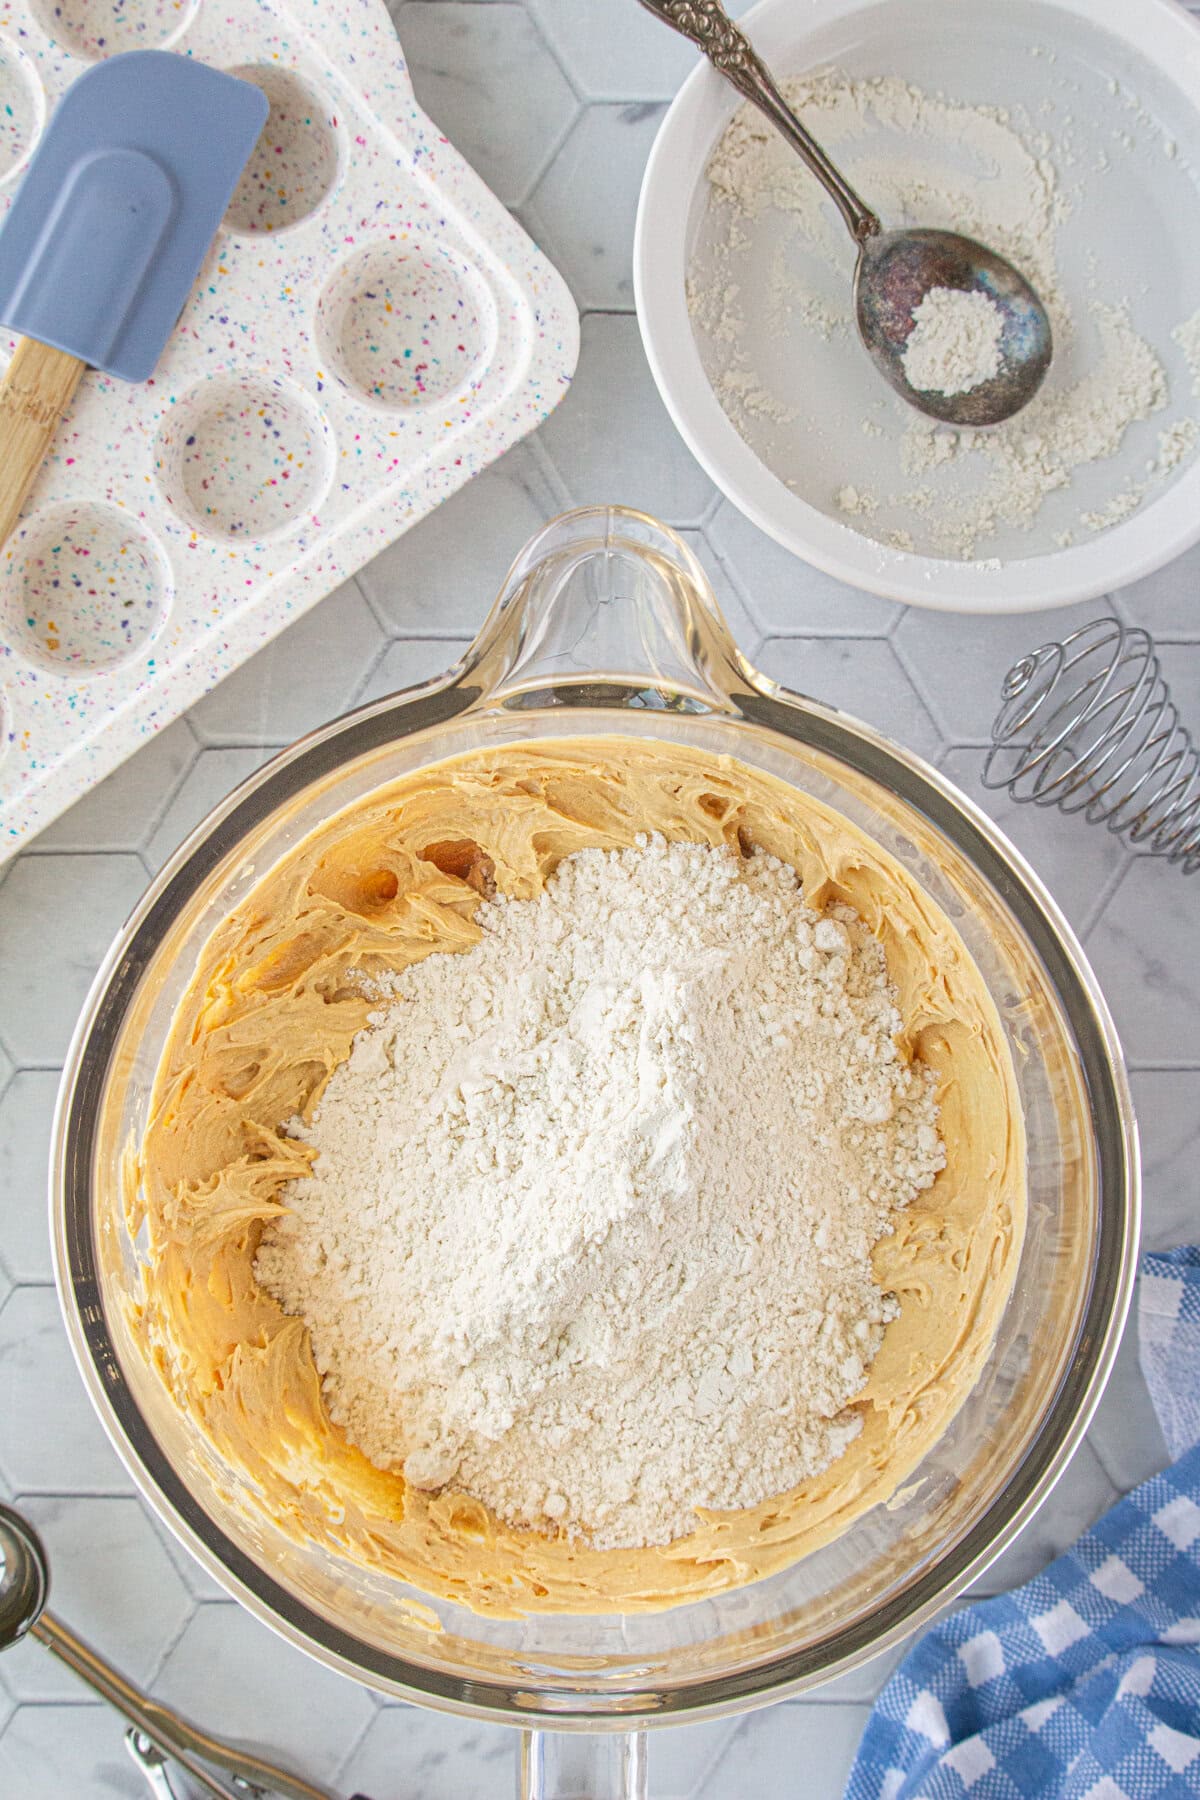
<point x="273" y="1009"/>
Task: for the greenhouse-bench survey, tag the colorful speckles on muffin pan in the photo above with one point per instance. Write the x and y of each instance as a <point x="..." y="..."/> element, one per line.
<point x="94" y="29"/>
<point x="244" y="458"/>
<point x="368" y="331"/>
<point x="84" y="591"/>
<point x="405" y="325"/>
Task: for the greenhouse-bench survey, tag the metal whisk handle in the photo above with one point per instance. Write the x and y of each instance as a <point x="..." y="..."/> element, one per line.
<point x="1088" y="725"/>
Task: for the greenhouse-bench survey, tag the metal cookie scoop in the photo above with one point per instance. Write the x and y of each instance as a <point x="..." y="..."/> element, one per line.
<point x="156" y="1737"/>
<point x="896" y="269"/>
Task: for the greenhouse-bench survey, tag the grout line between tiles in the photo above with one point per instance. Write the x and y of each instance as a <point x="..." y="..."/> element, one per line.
<point x="36" y="1493"/>
<point x="344" y="1762"/>
<point x="540" y="456"/>
<point x="364" y="590"/>
<point x="169" y="1649"/>
<point x="556" y="144"/>
<point x="1108" y="889"/>
<point x="917" y="682"/>
<point x="43" y="852"/>
<point x="83" y="1704"/>
<point x="365" y="679"/>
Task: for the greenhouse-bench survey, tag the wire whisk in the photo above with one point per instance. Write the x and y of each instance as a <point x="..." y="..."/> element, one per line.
<point x="1088" y="725"/>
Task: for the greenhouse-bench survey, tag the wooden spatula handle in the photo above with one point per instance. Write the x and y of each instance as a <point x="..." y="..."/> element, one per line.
<point x="38" y="386"/>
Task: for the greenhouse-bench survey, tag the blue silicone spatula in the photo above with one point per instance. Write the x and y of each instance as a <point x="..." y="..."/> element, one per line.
<point x="107" y="233"/>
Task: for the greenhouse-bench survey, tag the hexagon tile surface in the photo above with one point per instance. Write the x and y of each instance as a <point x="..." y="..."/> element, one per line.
<point x="556" y="103"/>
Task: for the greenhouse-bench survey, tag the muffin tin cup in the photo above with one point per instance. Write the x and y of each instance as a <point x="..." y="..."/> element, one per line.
<point x="85" y="590"/>
<point x="244" y="457"/>
<point x="407" y="326"/>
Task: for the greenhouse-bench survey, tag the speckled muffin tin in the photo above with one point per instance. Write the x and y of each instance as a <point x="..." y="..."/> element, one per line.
<point x="369" y="330"/>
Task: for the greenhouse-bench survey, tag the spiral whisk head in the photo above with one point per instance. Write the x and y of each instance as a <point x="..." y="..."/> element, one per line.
<point x="1088" y="725"/>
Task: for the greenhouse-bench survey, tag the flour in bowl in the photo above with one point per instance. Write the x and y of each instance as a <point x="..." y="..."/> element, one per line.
<point x="922" y="159"/>
<point x="590" y="1224"/>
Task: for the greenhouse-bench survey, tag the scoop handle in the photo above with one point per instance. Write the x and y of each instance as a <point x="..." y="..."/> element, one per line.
<point x="36" y="390"/>
<point x="173" y="1736"/>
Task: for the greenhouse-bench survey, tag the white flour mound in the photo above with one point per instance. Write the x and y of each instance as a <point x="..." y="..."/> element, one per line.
<point x="590" y="1229"/>
<point x="955" y="342"/>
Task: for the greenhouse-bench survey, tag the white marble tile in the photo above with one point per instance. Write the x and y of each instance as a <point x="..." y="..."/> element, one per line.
<point x="304" y="678"/>
<point x="799" y="1748"/>
<point x="118" y="814"/>
<point x="1166" y="603"/>
<point x="582" y="210"/>
<point x="618" y="55"/>
<point x="112" y="1583"/>
<point x="45" y="973"/>
<point x="1077" y="863"/>
<point x="26" y="1111"/>
<point x="1168" y="1109"/>
<point x="408" y="663"/>
<point x="1143" y="950"/>
<point x="861" y="676"/>
<point x="786" y="594"/>
<point x="237" y="1678"/>
<point x="213" y="775"/>
<point x="487" y="77"/>
<point x="443" y="575"/>
<point x="50" y="1439"/>
<point x="611" y="440"/>
<point x="613" y="55"/>
<point x="681" y="1757"/>
<point x="408" y="1750"/>
<point x="959" y="661"/>
<point x="67" y="1753"/>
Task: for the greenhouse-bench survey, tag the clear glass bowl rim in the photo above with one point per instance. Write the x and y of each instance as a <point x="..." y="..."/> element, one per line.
<point x="759" y="702"/>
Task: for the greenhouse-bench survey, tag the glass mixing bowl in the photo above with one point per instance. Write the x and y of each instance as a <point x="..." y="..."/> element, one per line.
<point x="606" y="626"/>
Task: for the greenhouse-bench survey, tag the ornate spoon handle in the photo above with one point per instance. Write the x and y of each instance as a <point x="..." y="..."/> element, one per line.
<point x="707" y="25"/>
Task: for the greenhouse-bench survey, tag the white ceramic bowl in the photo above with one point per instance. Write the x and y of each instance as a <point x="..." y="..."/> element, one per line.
<point x="1119" y="78"/>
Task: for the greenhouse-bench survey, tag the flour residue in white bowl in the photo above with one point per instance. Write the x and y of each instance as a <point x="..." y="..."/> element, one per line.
<point x="770" y="299"/>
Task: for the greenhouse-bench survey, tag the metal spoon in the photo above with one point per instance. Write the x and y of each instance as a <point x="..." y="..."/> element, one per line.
<point x="896" y="269"/>
<point x="156" y="1733"/>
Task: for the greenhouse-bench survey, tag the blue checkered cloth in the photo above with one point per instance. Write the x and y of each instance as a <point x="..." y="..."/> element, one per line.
<point x="1085" y="1683"/>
